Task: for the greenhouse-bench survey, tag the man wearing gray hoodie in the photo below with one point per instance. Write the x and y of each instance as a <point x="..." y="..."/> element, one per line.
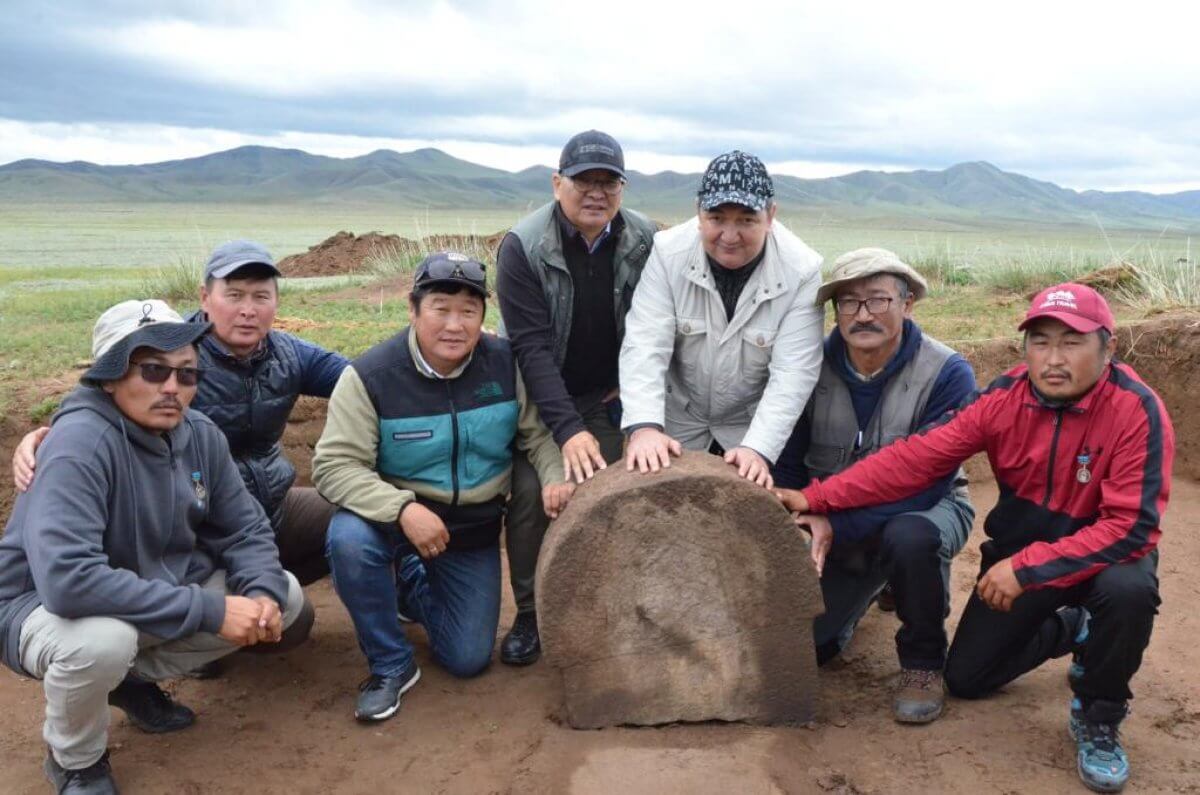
<point x="138" y="554"/>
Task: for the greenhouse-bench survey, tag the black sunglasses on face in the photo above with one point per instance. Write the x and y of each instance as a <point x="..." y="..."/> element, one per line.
<point x="155" y="373"/>
<point x="453" y="269"/>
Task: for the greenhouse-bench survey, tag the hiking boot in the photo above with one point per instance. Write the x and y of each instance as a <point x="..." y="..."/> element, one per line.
<point x="96" y="779"/>
<point x="1101" y="761"/>
<point x="149" y="707"/>
<point x="886" y="600"/>
<point x="379" y="696"/>
<point x="920" y="696"/>
<point x="522" y="645"/>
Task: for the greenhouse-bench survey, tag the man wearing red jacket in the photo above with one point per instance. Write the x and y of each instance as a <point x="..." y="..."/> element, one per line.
<point x="1082" y="450"/>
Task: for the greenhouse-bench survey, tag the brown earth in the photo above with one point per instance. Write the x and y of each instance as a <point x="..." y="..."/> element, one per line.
<point x="283" y="724"/>
<point x="346" y="252"/>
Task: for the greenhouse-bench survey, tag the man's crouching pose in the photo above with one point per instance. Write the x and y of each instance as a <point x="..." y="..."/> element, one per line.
<point x="137" y="554"/>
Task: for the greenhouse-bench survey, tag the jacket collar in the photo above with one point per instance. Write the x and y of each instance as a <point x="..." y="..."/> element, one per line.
<point x="1083" y="404"/>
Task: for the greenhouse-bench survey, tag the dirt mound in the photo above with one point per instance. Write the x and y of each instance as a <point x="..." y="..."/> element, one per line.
<point x="346" y="252"/>
<point x="1165" y="353"/>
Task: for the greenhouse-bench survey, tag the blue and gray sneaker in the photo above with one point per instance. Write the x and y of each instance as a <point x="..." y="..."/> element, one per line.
<point x="1075" y="670"/>
<point x="1100" y="759"/>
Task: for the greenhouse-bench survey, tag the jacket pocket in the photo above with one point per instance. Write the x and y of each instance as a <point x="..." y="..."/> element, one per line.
<point x="823" y="460"/>
<point x="757" y="345"/>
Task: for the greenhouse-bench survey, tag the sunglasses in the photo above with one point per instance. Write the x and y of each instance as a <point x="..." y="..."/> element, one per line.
<point x="155" y="373"/>
<point x="453" y="269"/>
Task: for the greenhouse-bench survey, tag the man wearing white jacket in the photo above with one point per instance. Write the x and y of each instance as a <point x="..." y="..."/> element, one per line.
<point x="723" y="340"/>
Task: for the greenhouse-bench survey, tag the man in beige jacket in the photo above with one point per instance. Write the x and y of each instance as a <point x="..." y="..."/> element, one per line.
<point x="723" y="341"/>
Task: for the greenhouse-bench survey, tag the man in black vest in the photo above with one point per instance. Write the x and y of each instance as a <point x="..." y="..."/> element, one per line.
<point x="883" y="379"/>
<point x="565" y="279"/>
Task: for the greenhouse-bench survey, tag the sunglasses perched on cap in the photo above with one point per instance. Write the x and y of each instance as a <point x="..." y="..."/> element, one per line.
<point x="446" y="268"/>
<point x="155" y="373"/>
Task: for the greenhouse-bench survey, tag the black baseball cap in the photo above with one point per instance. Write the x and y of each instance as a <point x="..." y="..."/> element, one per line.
<point x="736" y="178"/>
<point x="451" y="267"/>
<point x="591" y="149"/>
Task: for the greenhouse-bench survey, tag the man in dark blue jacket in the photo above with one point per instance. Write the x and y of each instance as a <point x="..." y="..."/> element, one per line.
<point x="881" y="380"/>
<point x="137" y="554"/>
<point x="254" y="377"/>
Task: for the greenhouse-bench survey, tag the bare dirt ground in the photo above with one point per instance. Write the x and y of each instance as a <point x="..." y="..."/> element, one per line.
<point x="283" y="724"/>
<point x="346" y="252"/>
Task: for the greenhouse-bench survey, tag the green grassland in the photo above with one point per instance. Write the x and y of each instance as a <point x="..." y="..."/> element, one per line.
<point x="61" y="267"/>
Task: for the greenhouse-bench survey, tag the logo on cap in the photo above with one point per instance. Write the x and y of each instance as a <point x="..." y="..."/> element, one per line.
<point x="1060" y="298"/>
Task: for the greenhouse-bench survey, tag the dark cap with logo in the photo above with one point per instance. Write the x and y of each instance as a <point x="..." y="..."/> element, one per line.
<point x="591" y="149"/>
<point x="234" y="255"/>
<point x="736" y="178"/>
<point x="451" y="267"/>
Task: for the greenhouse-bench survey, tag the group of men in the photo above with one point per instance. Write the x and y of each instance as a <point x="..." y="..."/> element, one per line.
<point x="162" y="531"/>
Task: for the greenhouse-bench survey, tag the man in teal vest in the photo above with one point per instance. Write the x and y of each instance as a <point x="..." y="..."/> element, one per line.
<point x="883" y="379"/>
<point x="565" y="279"/>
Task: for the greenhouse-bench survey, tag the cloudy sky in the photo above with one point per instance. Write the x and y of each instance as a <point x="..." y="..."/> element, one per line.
<point x="1085" y="94"/>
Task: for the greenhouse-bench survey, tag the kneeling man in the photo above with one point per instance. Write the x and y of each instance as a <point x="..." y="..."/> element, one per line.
<point x="137" y="554"/>
<point x="417" y="452"/>
<point x="1081" y="449"/>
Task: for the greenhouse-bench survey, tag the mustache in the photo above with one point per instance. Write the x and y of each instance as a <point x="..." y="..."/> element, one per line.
<point x="168" y="403"/>
<point x="858" y="327"/>
<point x="1059" y="373"/>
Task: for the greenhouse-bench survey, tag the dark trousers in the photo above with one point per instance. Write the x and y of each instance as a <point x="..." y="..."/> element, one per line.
<point x="992" y="648"/>
<point x="912" y="552"/>
<point x="301" y="534"/>
<point x="526" y="522"/>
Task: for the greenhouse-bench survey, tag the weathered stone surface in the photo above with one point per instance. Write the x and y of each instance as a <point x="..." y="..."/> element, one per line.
<point x="686" y="595"/>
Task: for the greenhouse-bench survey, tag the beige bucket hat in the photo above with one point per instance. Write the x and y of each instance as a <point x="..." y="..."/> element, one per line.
<point x="863" y="262"/>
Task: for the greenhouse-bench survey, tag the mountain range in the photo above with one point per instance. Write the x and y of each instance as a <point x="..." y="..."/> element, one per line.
<point x="430" y="178"/>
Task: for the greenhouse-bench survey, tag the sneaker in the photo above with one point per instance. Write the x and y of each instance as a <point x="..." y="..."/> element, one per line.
<point x="522" y="645"/>
<point x="1101" y="761"/>
<point x="379" y="696"/>
<point x="886" y="600"/>
<point x="149" y="707"/>
<point x="920" y="696"/>
<point x="95" y="779"/>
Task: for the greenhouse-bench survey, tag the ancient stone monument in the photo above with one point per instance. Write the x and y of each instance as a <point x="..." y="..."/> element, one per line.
<point x="686" y="595"/>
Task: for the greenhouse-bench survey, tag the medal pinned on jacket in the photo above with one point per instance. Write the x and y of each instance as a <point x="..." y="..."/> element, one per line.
<point x="198" y="486"/>
<point x="1083" y="474"/>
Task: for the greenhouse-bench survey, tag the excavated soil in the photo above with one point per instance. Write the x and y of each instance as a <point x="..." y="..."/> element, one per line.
<point x="346" y="252"/>
<point x="283" y="724"/>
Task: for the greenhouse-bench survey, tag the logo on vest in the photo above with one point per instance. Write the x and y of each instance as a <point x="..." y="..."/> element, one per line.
<point x="489" y="390"/>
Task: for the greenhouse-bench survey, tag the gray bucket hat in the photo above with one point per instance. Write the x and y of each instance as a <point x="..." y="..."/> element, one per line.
<point x="862" y="263"/>
<point x="141" y="323"/>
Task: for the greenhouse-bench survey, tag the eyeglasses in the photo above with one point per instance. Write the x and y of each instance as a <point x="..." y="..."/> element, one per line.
<point x="439" y="269"/>
<point x="611" y="186"/>
<point x="155" y="373"/>
<point x="850" y="306"/>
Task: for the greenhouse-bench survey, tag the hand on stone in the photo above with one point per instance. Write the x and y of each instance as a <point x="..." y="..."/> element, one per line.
<point x="270" y="621"/>
<point x="581" y="457"/>
<point x="555" y="497"/>
<point x="750" y="465"/>
<point x="650" y="450"/>
<point x="822" y="536"/>
<point x="424" y="529"/>
<point x="999" y="586"/>
<point x="25" y="458"/>
<point x="240" y="626"/>
<point x="792" y="499"/>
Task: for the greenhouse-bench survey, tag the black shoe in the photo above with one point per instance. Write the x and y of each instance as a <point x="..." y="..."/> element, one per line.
<point x="379" y="696"/>
<point x="95" y="779"/>
<point x="210" y="670"/>
<point x="886" y="600"/>
<point x="522" y="645"/>
<point x="149" y="707"/>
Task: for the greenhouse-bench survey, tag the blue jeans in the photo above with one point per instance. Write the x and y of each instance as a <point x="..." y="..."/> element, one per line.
<point x="455" y="596"/>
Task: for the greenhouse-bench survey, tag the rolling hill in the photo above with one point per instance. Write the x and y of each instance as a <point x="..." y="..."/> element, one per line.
<point x="429" y="178"/>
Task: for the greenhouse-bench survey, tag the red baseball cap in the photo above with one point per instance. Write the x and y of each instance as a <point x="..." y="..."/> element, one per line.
<point x="1078" y="306"/>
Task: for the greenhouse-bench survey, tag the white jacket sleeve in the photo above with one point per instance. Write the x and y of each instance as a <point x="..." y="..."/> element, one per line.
<point x="649" y="343"/>
<point x="795" y="365"/>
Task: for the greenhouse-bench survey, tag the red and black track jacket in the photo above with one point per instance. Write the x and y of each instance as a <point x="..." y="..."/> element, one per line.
<point x="1082" y="486"/>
